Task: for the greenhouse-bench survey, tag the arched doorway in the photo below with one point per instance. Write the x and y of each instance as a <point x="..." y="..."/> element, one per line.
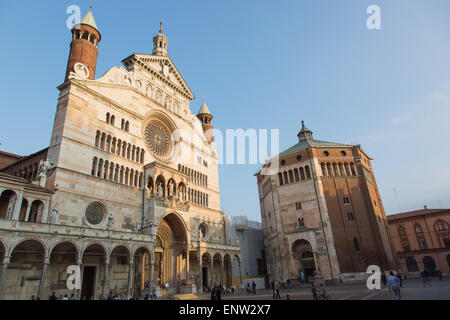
<point x="93" y="274"/>
<point x="411" y="265"/>
<point x="227" y="271"/>
<point x="429" y="265"/>
<point x="141" y="271"/>
<point x="304" y="259"/>
<point x="23" y="276"/>
<point x="119" y="268"/>
<point x="62" y="256"/>
<point x="171" y="245"/>
<point x="206" y="270"/>
<point x="217" y="270"/>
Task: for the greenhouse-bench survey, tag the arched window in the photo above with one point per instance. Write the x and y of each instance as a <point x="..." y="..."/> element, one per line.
<point x="113" y="120"/>
<point x="97" y="139"/>
<point x="103" y="141"/>
<point x="443" y="232"/>
<point x="280" y="178"/>
<point x="403" y="238"/>
<point x="297" y="178"/>
<point x="108" y="117"/>
<point x="127" y="126"/>
<point x="308" y="172"/>
<point x="291" y="176"/>
<point x="122" y="125"/>
<point x="324" y="169"/>
<point x="94" y="166"/>
<point x="285" y="176"/>
<point x="356" y="245"/>
<point x="420" y="237"/>
<point x="302" y="174"/>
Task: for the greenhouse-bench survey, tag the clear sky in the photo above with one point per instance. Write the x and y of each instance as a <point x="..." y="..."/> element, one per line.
<point x="263" y="64"/>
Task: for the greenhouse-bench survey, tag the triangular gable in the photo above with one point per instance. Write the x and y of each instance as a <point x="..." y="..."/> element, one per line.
<point x="163" y="68"/>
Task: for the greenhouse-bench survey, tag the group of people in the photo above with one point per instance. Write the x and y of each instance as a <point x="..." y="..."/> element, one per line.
<point x="54" y="297"/>
<point x="217" y="291"/>
<point x="251" y="289"/>
<point x="123" y="296"/>
<point x="319" y="293"/>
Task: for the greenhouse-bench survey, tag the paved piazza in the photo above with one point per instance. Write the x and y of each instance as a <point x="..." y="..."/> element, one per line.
<point x="412" y="290"/>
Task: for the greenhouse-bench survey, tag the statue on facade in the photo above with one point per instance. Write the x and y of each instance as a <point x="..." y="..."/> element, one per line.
<point x="54" y="214"/>
<point x="84" y="222"/>
<point x="160" y="191"/>
<point x="110" y="222"/>
<point x="44" y="167"/>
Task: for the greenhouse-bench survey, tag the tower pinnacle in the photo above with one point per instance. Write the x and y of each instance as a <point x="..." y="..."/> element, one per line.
<point x="160" y="42"/>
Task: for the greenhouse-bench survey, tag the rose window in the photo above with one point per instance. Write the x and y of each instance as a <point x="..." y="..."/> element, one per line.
<point x="158" y="139"/>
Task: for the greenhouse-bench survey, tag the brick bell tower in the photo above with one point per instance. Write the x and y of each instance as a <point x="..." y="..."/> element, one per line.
<point x="206" y="118"/>
<point x="84" y="46"/>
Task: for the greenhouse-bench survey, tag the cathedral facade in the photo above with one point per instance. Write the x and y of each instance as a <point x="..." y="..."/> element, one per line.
<point x="322" y="214"/>
<point x="128" y="188"/>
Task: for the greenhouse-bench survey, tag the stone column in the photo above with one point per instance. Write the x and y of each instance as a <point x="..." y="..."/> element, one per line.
<point x="45" y="212"/>
<point x="188" y="276"/>
<point x="211" y="273"/>
<point x="17" y="207"/>
<point x="240" y="273"/>
<point x="27" y="214"/>
<point x="5" y="263"/>
<point x="200" y="270"/>
<point x="43" y="275"/>
<point x="231" y="271"/>
<point x="222" y="267"/>
<point x="77" y="292"/>
<point x="151" y="272"/>
<point x="106" y="277"/>
<point x="130" y="275"/>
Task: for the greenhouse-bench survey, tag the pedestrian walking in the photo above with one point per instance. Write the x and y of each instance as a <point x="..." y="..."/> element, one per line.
<point x="276" y="287"/>
<point x="314" y="292"/>
<point x="323" y="292"/>
<point x="253" y="287"/>
<point x="53" y="296"/>
<point x="249" y="289"/>
<point x="394" y="285"/>
<point x="272" y="284"/>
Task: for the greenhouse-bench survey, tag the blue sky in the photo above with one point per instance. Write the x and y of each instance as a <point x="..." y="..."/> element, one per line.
<point x="263" y="64"/>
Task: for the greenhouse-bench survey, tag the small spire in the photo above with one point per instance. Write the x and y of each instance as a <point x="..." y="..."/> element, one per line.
<point x="303" y="124"/>
<point x="160" y="27"/>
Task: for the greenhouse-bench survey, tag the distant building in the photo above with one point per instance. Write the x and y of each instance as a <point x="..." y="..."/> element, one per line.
<point x="249" y="236"/>
<point x="422" y="240"/>
<point x="322" y="213"/>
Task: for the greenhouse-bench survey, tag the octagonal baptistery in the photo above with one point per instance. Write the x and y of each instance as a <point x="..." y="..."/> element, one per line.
<point x="134" y="168"/>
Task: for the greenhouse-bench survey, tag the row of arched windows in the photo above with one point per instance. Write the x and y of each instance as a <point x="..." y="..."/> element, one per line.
<point x="442" y="231"/>
<point x="338" y="169"/>
<point x="125" y="125"/>
<point x="194" y="176"/>
<point x="28" y="172"/>
<point x="198" y="198"/>
<point x="114" y="172"/>
<point x="165" y="100"/>
<point x="119" y="147"/>
<point x="295" y="175"/>
<point x="171" y="190"/>
<point x="86" y="36"/>
<point x="110" y="119"/>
